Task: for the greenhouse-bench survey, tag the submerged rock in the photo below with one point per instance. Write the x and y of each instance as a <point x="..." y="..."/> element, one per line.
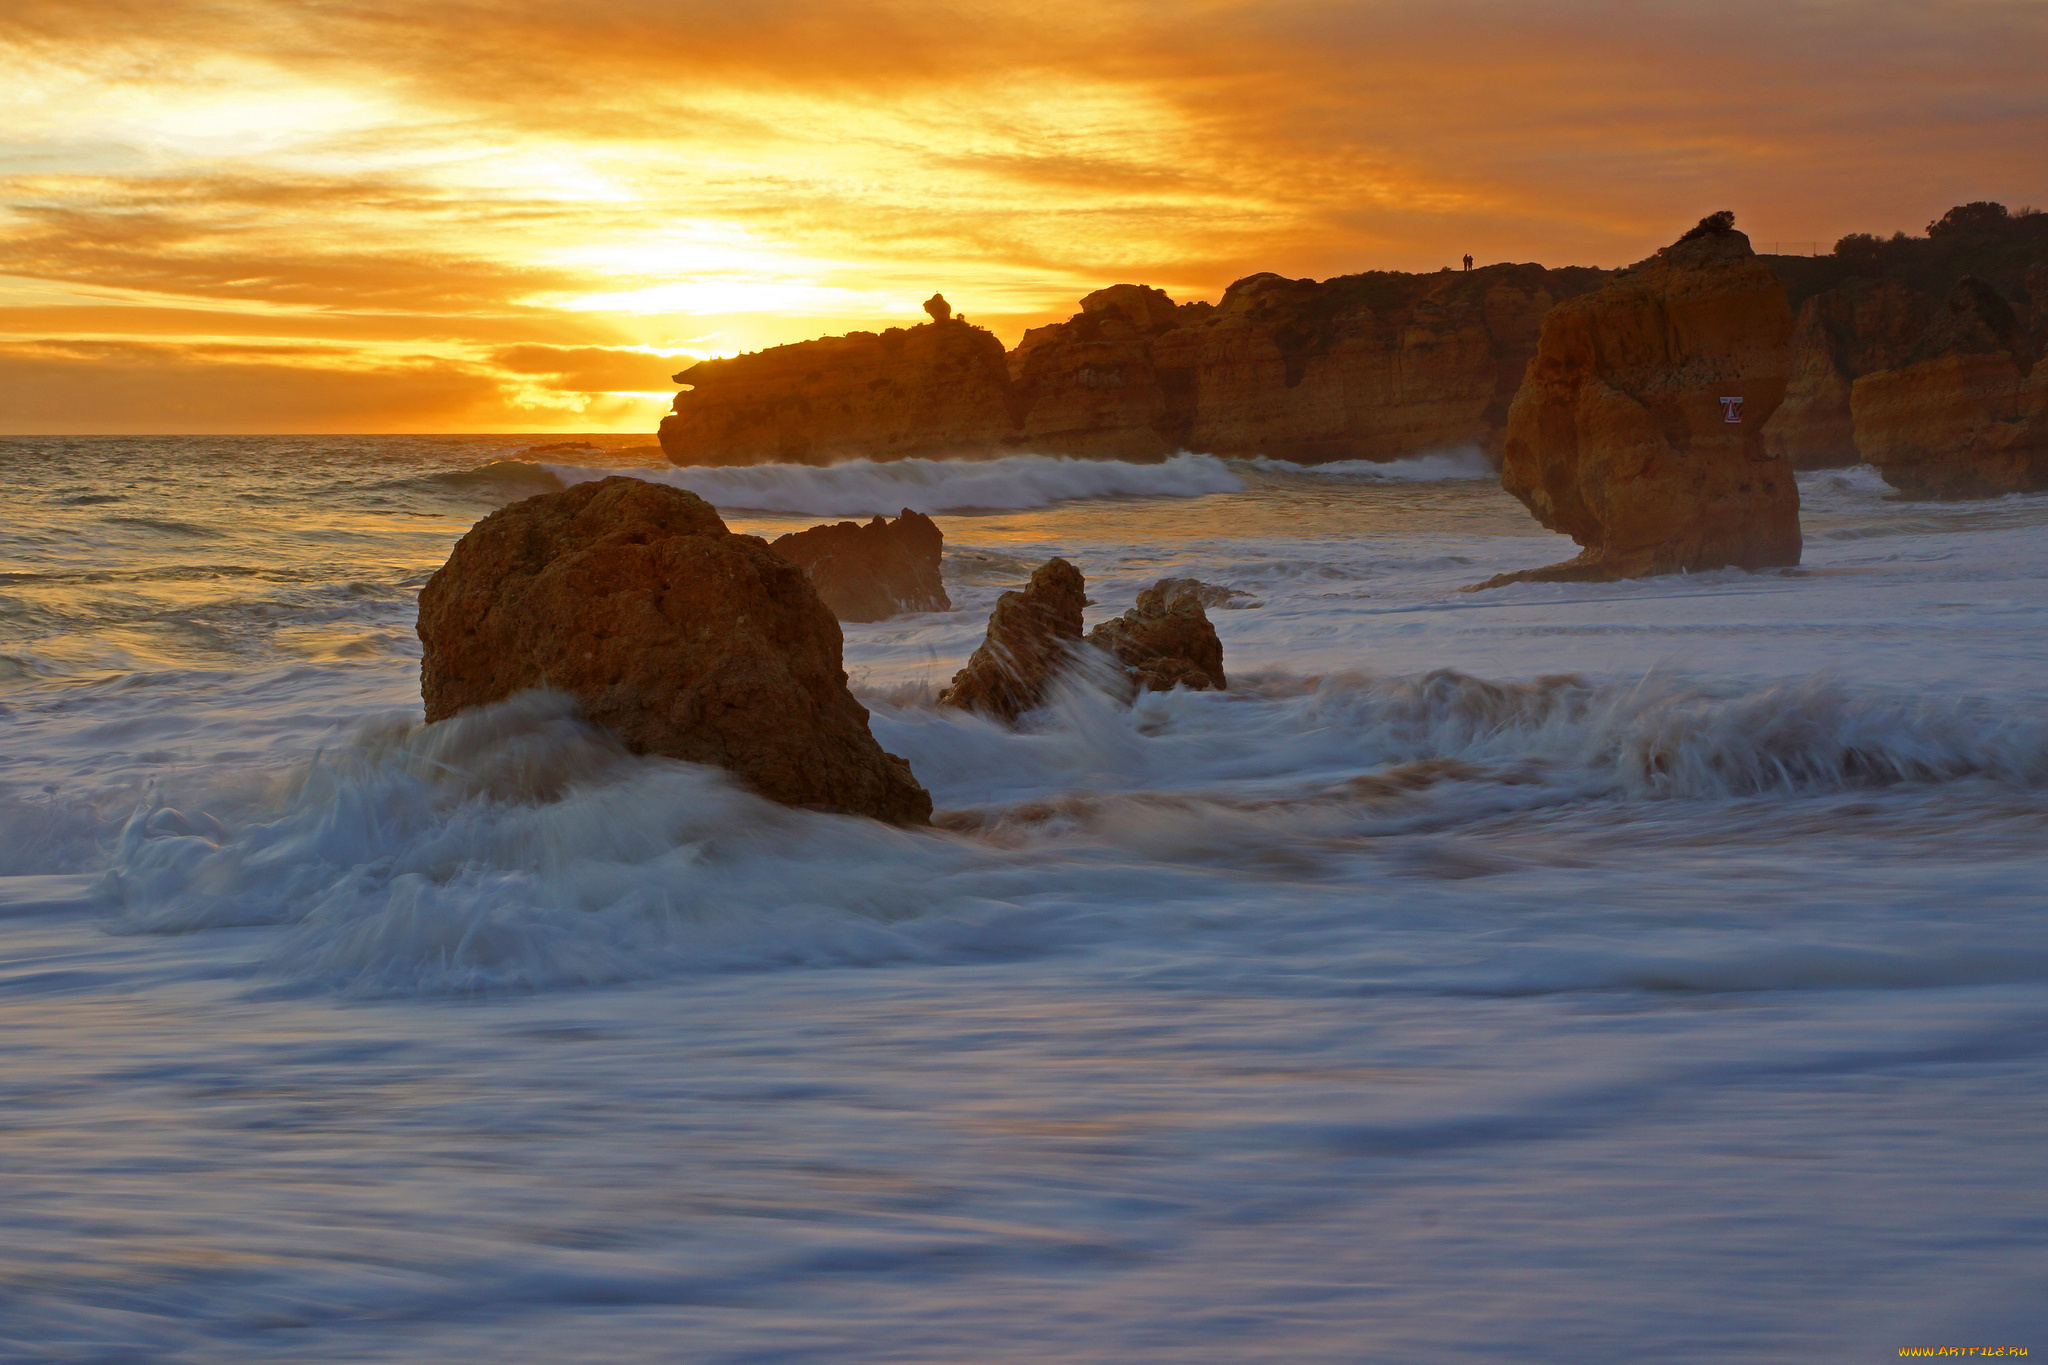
<point x="1620" y="439"/>
<point x="1166" y="639"/>
<point x="1208" y="594"/>
<point x="1966" y="414"/>
<point x="1031" y="637"/>
<point x="872" y="572"/>
<point x="682" y="638"/>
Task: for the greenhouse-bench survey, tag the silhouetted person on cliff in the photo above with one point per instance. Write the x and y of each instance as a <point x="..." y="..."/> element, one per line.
<point x="1468" y="260"/>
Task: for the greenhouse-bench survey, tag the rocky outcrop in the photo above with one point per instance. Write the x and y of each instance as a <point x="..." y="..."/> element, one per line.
<point x="872" y="572"/>
<point x="1207" y="594"/>
<point x="1089" y="386"/>
<point x="1166" y="640"/>
<point x="938" y="389"/>
<point x="1965" y="415"/>
<point x="1031" y="637"/>
<point x="1619" y="437"/>
<point x="684" y="639"/>
<point x="1841" y="334"/>
<point x="1373" y="366"/>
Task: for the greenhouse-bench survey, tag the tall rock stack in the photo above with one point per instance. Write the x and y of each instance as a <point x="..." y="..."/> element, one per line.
<point x="1621" y="436"/>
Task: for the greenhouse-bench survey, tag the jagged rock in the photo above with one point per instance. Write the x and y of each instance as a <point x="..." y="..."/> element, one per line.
<point x="938" y="308"/>
<point x="683" y="638"/>
<point x="872" y="572"/>
<point x="1031" y="637"/>
<point x="1841" y="334"/>
<point x="938" y="389"/>
<point x="1166" y="639"/>
<point x="1618" y="437"/>
<point x="1966" y="414"/>
<point x="1208" y="594"/>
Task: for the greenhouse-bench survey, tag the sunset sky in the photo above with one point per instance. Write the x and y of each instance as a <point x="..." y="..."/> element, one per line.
<point x="525" y="215"/>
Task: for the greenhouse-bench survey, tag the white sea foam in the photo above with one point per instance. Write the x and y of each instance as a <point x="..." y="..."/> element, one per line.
<point x="1464" y="462"/>
<point x="516" y="845"/>
<point x="1600" y="1001"/>
<point x="869" y="487"/>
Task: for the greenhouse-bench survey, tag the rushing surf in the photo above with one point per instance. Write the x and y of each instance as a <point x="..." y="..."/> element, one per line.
<point x="1563" y="902"/>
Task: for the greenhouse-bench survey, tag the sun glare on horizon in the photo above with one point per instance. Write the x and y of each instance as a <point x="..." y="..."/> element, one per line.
<point x="228" y="199"/>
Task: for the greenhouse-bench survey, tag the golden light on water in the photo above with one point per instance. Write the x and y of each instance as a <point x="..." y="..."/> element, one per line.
<point x="273" y="216"/>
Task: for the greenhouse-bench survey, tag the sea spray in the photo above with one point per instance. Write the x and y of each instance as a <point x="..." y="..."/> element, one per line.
<point x="871" y="488"/>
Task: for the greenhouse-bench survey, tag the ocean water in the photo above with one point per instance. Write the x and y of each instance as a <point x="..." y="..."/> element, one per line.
<point x="1576" y="973"/>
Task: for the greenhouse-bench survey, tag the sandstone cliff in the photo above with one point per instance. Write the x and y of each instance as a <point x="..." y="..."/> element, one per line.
<point x="1965" y="415"/>
<point x="938" y="389"/>
<point x="683" y="638"/>
<point x="1373" y="366"/>
<point x="1619" y="437"/>
<point x="1856" y="328"/>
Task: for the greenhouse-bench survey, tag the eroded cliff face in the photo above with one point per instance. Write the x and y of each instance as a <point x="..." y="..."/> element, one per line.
<point x="1965" y="414"/>
<point x="1371" y="367"/>
<point x="937" y="389"/>
<point x="1374" y="366"/>
<point x="1619" y="436"/>
<point x="1841" y="334"/>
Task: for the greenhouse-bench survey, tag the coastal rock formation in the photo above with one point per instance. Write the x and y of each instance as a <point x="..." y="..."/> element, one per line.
<point x="1371" y="367"/>
<point x="1856" y="328"/>
<point x="1966" y="414"/>
<point x="1619" y="437"/>
<point x="1088" y="386"/>
<point x="1208" y="594"/>
<point x="1167" y="639"/>
<point x="1031" y="636"/>
<point x="684" y="639"/>
<point x="872" y="572"/>
<point x="1374" y="366"/>
<point x="938" y="389"/>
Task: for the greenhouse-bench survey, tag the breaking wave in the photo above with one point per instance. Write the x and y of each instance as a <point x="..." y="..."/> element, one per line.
<point x="517" y="846"/>
<point x="1007" y="484"/>
<point x="1466" y="462"/>
<point x="872" y="488"/>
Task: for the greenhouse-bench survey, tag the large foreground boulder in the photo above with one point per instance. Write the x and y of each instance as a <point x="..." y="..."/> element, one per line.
<point x="1031" y="637"/>
<point x="1620" y="436"/>
<point x="1166" y="640"/>
<point x="684" y="639"/>
<point x="1966" y="414"/>
<point x="872" y="572"/>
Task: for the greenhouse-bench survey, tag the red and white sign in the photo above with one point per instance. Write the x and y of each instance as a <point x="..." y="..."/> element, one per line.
<point x="1731" y="409"/>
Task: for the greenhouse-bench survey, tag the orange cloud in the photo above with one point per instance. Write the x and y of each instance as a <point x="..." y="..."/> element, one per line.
<point x="531" y="183"/>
